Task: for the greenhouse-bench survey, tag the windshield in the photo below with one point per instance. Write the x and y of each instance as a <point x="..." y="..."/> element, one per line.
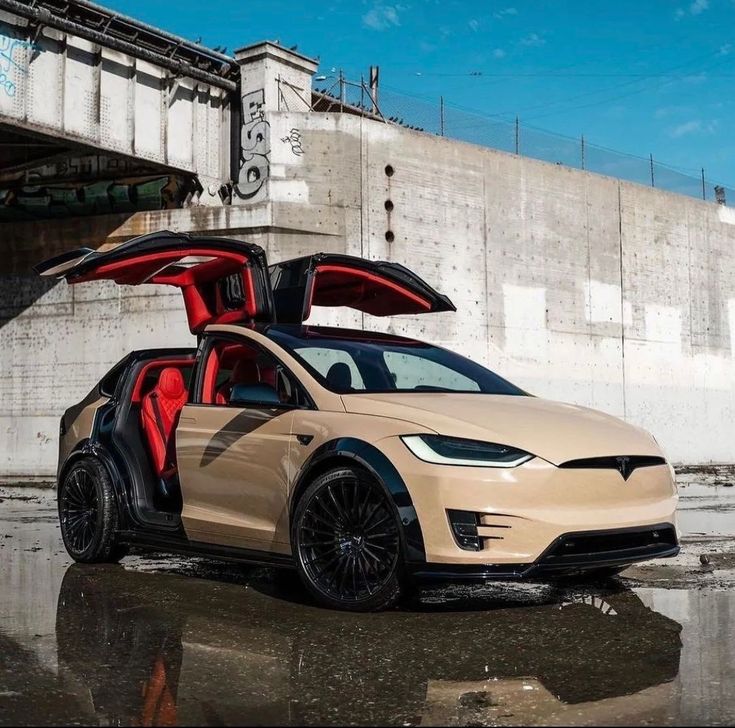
<point x="361" y="362"/>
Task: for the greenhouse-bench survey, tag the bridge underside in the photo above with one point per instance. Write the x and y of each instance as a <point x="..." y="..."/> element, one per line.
<point x="44" y="177"/>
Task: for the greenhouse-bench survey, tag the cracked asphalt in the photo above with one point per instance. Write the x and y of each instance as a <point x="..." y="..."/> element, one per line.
<point x="163" y="640"/>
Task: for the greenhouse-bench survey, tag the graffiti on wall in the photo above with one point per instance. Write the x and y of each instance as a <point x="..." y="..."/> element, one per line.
<point x="254" y="146"/>
<point x="90" y="185"/>
<point x="294" y="139"/>
<point x="10" y="65"/>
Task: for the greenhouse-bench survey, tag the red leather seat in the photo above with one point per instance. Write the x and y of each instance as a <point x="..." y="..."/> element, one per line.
<point x="160" y="410"/>
<point x="245" y="371"/>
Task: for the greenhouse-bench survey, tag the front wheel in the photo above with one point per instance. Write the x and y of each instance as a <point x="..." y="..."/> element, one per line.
<point x="347" y="542"/>
<point x="88" y="513"/>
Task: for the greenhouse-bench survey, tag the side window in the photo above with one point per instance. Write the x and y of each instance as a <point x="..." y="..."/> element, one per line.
<point x="323" y="359"/>
<point x="229" y="363"/>
<point x="414" y="372"/>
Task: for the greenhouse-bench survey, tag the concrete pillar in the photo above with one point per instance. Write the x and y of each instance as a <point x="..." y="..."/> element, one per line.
<point x="275" y="78"/>
<point x="272" y="78"/>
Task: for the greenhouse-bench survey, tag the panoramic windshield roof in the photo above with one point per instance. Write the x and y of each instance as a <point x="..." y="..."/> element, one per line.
<point x="348" y="361"/>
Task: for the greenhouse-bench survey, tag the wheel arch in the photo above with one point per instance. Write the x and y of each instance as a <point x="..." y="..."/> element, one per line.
<point x="348" y="451"/>
<point x="87" y="448"/>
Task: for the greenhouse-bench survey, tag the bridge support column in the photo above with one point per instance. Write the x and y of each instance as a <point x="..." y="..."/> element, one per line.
<point x="272" y="78"/>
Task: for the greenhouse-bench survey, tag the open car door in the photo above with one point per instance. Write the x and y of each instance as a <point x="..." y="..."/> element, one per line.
<point x="326" y="279"/>
<point x="222" y="281"/>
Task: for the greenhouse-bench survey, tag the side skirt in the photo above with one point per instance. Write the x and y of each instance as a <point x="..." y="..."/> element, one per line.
<point x="150" y="542"/>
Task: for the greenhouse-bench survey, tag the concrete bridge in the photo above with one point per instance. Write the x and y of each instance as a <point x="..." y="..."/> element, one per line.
<point x="578" y="287"/>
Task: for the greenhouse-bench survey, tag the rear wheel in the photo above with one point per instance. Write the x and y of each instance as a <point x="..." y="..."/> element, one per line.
<point x="88" y="513"/>
<point x="347" y="542"/>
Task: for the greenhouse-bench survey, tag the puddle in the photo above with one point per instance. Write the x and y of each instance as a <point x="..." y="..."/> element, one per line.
<point x="166" y="640"/>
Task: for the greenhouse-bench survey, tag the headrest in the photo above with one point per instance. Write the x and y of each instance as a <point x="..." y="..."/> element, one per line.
<point x="171" y="383"/>
<point x="245" y="371"/>
<point x="339" y="376"/>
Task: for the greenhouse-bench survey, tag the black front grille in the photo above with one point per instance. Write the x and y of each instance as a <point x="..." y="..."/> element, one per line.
<point x="631" y="462"/>
<point x="595" y="547"/>
<point x="604" y="543"/>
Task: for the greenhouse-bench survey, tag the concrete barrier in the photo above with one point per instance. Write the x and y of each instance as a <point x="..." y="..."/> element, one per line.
<point x="577" y="287"/>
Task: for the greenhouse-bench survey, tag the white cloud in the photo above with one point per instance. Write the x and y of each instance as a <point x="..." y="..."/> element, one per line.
<point x="698" y="6"/>
<point x="725" y="50"/>
<point x="688" y="127"/>
<point x="666" y="111"/>
<point x="474" y="24"/>
<point x="694" y="126"/>
<point x="381" y="17"/>
<point x="498" y="53"/>
<point x="500" y="14"/>
<point x="532" y="39"/>
<point x="695" y="78"/>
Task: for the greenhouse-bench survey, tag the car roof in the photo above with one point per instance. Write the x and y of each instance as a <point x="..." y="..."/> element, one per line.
<point x="333" y="333"/>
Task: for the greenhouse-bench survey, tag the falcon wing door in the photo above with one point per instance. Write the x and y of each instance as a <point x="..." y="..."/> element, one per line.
<point x="221" y="280"/>
<point x="375" y="287"/>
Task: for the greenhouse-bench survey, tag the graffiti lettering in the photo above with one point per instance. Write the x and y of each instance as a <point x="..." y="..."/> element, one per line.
<point x="90" y="185"/>
<point x="9" y="63"/>
<point x="7" y="85"/>
<point x="254" y="146"/>
<point x="294" y="139"/>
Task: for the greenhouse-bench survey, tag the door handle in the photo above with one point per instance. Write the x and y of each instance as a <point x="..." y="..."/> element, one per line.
<point x="189" y="420"/>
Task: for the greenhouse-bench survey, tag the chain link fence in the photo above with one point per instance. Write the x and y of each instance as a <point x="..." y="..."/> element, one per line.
<point x="518" y="138"/>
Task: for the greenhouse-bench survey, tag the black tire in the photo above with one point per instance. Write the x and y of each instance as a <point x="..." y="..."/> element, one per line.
<point x="347" y="542"/>
<point x="88" y="514"/>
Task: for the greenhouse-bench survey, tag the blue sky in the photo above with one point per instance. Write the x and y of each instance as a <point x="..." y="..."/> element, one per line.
<point x="645" y="76"/>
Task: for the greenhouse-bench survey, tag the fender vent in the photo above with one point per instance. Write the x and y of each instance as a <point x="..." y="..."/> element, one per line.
<point x="472" y="530"/>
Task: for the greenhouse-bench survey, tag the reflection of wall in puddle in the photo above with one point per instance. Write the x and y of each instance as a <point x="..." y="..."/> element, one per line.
<point x="704" y="692"/>
<point x="32" y="567"/>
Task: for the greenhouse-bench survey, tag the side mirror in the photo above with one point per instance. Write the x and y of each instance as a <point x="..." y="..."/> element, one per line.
<point x="254" y="395"/>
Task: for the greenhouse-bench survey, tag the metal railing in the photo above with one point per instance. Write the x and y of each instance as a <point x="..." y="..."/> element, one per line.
<point x="530" y="141"/>
<point x="515" y="137"/>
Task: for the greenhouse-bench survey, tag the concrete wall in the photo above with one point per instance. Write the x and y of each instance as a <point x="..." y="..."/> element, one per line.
<point x="577" y="287"/>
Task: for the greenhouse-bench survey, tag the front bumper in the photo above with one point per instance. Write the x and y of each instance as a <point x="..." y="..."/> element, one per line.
<point x="569" y="554"/>
<point x="520" y="515"/>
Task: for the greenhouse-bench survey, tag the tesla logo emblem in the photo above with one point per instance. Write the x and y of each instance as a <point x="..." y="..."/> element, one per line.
<point x="624" y="466"/>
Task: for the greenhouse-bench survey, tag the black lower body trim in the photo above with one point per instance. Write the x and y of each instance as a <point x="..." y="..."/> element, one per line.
<point x="569" y="554"/>
<point x="151" y="542"/>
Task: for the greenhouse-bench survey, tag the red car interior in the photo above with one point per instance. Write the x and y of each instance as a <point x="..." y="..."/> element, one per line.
<point x="197" y="281"/>
<point x="336" y="285"/>
<point x="245" y="366"/>
<point x="160" y="409"/>
<point x="244" y="372"/>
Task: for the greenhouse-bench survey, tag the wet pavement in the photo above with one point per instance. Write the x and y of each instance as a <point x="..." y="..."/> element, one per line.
<point x="167" y="640"/>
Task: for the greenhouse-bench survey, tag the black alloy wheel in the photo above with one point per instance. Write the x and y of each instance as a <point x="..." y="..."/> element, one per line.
<point x="88" y="513"/>
<point x="347" y="541"/>
<point x="79" y="510"/>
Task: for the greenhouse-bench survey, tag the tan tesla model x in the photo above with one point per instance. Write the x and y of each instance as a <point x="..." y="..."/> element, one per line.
<point x="366" y="461"/>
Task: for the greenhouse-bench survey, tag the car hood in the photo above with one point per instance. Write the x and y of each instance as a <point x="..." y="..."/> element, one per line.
<point x="554" y="431"/>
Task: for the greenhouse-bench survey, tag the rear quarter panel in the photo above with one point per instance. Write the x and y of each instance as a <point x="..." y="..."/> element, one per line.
<point x="78" y="424"/>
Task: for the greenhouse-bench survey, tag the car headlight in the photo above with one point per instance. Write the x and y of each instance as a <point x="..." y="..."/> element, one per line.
<point x="458" y="451"/>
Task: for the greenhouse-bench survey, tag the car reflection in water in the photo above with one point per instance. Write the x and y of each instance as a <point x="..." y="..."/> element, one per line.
<point x="161" y="649"/>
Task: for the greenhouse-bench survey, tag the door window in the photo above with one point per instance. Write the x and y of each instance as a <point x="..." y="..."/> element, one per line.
<point x="325" y="359"/>
<point x="229" y="363"/>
